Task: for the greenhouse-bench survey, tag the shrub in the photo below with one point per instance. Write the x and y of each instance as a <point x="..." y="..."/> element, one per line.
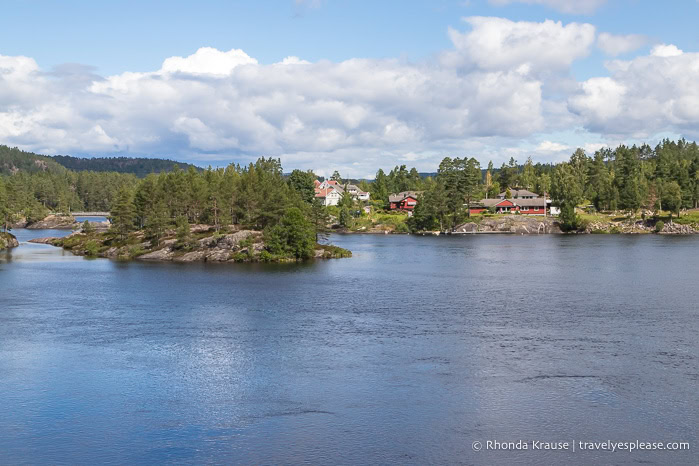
<point x="659" y="225"/>
<point x="402" y="228"/>
<point x="91" y="248"/>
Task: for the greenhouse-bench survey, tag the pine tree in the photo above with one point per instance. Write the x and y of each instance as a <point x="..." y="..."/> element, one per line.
<point x="320" y="219"/>
<point x="379" y="188"/>
<point x="157" y="223"/>
<point x="123" y="213"/>
<point x="183" y="233"/>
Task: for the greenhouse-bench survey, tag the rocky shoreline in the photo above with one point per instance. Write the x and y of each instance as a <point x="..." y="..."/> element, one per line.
<point x="521" y="225"/>
<point x="8" y="241"/>
<point x="206" y="245"/>
<point x="517" y="225"/>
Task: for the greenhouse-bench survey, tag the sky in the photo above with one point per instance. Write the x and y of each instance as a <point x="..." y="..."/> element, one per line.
<point x="347" y="85"/>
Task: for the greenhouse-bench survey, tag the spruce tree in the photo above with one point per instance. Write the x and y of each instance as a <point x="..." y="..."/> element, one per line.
<point x="123" y="213"/>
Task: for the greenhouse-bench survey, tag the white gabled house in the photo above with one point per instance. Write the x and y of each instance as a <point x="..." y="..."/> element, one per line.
<point x="329" y="196"/>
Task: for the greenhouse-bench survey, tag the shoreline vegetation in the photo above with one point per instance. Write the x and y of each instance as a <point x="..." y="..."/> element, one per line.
<point x="275" y="216"/>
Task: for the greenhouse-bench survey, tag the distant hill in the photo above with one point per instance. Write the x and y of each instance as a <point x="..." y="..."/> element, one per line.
<point x="138" y="166"/>
<point x="13" y="160"/>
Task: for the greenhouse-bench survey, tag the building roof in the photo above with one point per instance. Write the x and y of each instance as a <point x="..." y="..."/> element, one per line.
<point x="324" y="192"/>
<point x="489" y="202"/>
<point x="517" y="193"/>
<point x="538" y="202"/>
<point x="403" y="195"/>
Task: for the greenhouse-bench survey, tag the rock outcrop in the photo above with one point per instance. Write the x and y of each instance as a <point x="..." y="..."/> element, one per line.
<point x="54" y="222"/>
<point x="514" y="224"/>
<point x="8" y="241"/>
<point x="215" y="248"/>
<point x="47" y="240"/>
<point x="678" y="229"/>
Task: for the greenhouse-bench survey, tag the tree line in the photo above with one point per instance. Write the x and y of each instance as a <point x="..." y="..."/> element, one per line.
<point x="625" y="178"/>
<point x="258" y="194"/>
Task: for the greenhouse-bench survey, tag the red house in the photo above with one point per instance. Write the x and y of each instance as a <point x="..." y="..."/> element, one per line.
<point x="536" y="206"/>
<point x="407" y="200"/>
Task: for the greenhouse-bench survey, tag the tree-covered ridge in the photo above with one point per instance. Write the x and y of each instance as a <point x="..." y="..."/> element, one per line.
<point x="14" y="160"/>
<point x="139" y="166"/>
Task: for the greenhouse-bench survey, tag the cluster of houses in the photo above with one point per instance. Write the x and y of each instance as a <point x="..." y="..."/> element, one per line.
<point x="520" y="201"/>
<point x="330" y="192"/>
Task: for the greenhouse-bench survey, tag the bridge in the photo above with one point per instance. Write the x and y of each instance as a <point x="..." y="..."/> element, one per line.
<point x="90" y="214"/>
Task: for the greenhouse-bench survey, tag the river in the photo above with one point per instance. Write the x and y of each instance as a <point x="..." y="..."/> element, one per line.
<point x="407" y="353"/>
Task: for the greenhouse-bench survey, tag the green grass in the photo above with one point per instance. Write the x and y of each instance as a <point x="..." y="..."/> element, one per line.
<point x="388" y="220"/>
<point x="690" y="218"/>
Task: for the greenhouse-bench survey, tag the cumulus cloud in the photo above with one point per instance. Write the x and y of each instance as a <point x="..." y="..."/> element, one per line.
<point x="643" y="96"/>
<point x="614" y="45"/>
<point x="224" y="104"/>
<point x="208" y="60"/>
<point x="502" y="83"/>
<point x="564" y="6"/>
<point x="498" y="43"/>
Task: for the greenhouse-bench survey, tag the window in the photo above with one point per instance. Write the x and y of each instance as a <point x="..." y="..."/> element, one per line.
<point x="525" y="209"/>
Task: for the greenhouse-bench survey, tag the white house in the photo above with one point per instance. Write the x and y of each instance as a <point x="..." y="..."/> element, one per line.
<point x="329" y="196"/>
<point x="353" y="190"/>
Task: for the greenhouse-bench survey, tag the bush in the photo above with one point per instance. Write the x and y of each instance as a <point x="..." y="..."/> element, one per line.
<point x="659" y="225"/>
<point x="91" y="248"/>
<point x="135" y="251"/>
<point x="402" y="228"/>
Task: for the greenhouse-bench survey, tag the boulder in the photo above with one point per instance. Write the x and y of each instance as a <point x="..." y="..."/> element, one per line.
<point x="218" y="255"/>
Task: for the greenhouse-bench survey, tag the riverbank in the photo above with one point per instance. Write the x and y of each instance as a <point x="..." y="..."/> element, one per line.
<point x="203" y="245"/>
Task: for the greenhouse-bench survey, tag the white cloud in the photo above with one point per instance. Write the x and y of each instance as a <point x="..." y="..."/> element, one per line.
<point x="663" y="50"/>
<point x="208" y="60"/>
<point x="614" y="45"/>
<point x="215" y="104"/>
<point x="498" y="43"/>
<point x="643" y="96"/>
<point x="503" y="84"/>
<point x="564" y="6"/>
<point x="550" y="146"/>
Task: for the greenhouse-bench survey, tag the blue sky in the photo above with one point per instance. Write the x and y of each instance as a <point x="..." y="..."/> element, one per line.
<point x="411" y="37"/>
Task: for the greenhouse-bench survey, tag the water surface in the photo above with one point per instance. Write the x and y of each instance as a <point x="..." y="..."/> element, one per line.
<point x="406" y="353"/>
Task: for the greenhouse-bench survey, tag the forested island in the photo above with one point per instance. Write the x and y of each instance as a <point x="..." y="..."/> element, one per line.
<point x="637" y="189"/>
